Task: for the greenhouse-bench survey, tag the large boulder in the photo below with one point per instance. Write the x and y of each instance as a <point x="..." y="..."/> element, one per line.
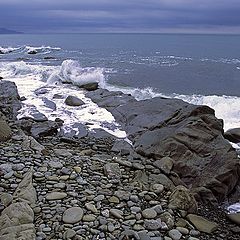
<point x="9" y="99"/>
<point x="191" y="135"/>
<point x="233" y="135"/>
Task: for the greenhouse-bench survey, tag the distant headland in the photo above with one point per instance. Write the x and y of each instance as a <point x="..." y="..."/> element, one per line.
<point x="9" y="31"/>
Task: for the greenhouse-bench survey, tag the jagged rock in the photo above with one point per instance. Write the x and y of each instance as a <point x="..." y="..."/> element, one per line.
<point x="73" y="101"/>
<point x="112" y="171"/>
<point x="90" y="86"/>
<point x="9" y="99"/>
<point x="29" y="143"/>
<point x="165" y="164"/>
<point x="191" y="135"/>
<point x="43" y="129"/>
<point x="76" y="131"/>
<point x="25" y="191"/>
<point x="6" y="199"/>
<point x="5" y="131"/>
<point x="181" y="198"/>
<point x="16" y="222"/>
<point x="123" y="147"/>
<point x="233" y="135"/>
<point x="202" y="224"/>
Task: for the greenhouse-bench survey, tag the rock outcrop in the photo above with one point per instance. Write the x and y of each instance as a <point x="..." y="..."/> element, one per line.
<point x="9" y="99"/>
<point x="191" y="135"/>
<point x="16" y="220"/>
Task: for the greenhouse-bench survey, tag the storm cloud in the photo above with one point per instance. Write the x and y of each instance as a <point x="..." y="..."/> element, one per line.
<point x="36" y="16"/>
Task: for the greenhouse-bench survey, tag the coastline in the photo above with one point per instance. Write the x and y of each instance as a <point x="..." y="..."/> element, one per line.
<point x="116" y="191"/>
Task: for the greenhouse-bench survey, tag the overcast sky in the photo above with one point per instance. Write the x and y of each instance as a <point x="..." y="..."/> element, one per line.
<point x="39" y="16"/>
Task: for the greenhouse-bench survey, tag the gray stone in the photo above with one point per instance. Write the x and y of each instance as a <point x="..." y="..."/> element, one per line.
<point x="73" y="101"/>
<point x="6" y="199"/>
<point x="56" y="196"/>
<point x="73" y="215"/>
<point x="112" y="171"/>
<point x="116" y="213"/>
<point x="235" y="217"/>
<point x="202" y="224"/>
<point x="151" y="224"/>
<point x="174" y="234"/>
<point x="149" y="213"/>
<point x="165" y="164"/>
<point x="181" y="198"/>
<point x="5" y="131"/>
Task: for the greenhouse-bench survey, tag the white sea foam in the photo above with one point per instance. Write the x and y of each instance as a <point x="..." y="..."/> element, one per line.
<point x="41" y="49"/>
<point x="6" y="50"/>
<point x="70" y="71"/>
<point x="29" y="78"/>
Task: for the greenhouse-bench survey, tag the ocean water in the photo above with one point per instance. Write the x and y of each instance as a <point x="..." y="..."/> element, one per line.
<point x="200" y="69"/>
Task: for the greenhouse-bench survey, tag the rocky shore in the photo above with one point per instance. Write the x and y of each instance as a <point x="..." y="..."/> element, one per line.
<point x="169" y="185"/>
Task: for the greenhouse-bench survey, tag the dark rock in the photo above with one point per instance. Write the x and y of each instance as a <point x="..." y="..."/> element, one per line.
<point x="73" y="101"/>
<point x="122" y="147"/>
<point x="233" y="135"/>
<point x="191" y="135"/>
<point x="32" y="52"/>
<point x="49" y="104"/>
<point x="41" y="91"/>
<point x="1" y="78"/>
<point x="5" y="131"/>
<point x="76" y="131"/>
<point x="35" y="115"/>
<point x="9" y="99"/>
<point x="49" y="58"/>
<point x="90" y="86"/>
<point x="99" y="133"/>
<point x="109" y="100"/>
<point x="43" y="129"/>
<point x="58" y="96"/>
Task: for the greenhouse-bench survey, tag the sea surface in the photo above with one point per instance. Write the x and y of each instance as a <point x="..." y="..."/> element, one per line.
<point x="200" y="69"/>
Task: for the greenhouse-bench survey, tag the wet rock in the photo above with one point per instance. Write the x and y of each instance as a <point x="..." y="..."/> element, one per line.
<point x="90" y="86"/>
<point x="191" y="135"/>
<point x="73" y="101"/>
<point x="202" y="224"/>
<point x="9" y="99"/>
<point x="233" y="135"/>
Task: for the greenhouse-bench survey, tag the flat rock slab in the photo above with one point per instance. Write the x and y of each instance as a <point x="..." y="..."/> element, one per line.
<point x="56" y="196"/>
<point x="73" y="215"/>
<point x="202" y="224"/>
<point x="235" y="217"/>
<point x="112" y="171"/>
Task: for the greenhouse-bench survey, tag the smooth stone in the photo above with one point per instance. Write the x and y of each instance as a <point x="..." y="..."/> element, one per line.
<point x="202" y="224"/>
<point x="174" y="234"/>
<point x="116" y="213"/>
<point x="91" y="207"/>
<point x="56" y="196"/>
<point x="89" y="218"/>
<point x="149" y="213"/>
<point x="113" y="199"/>
<point x="69" y="233"/>
<point x="157" y="188"/>
<point x="73" y="215"/>
<point x="73" y="101"/>
<point x="152" y="224"/>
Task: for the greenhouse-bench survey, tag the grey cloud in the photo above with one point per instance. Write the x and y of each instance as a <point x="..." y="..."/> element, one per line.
<point x="114" y="15"/>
